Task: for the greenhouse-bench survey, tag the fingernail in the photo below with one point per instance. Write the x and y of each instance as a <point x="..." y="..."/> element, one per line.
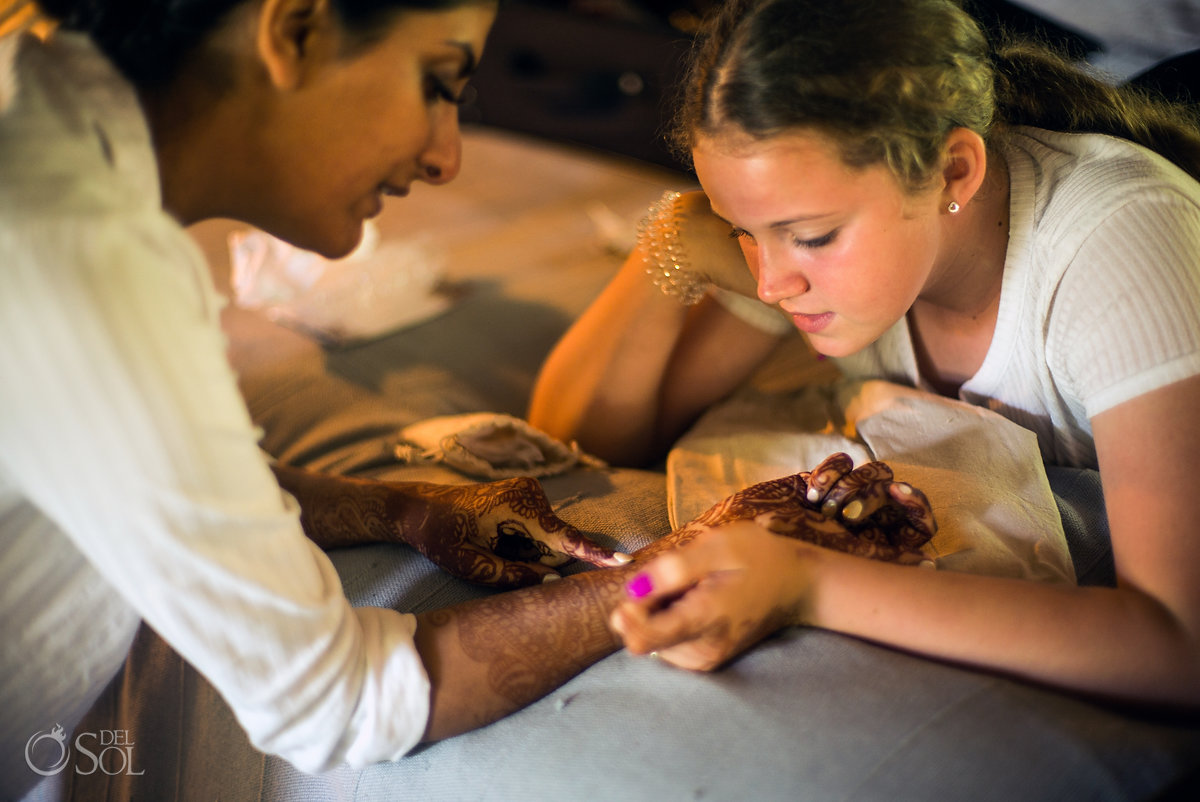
<point x="653" y="655"/>
<point x="852" y="510"/>
<point x="829" y="507"/>
<point x="904" y="488"/>
<point x="550" y="578"/>
<point x="622" y="557"/>
<point x="814" y="495"/>
<point x="639" y="586"/>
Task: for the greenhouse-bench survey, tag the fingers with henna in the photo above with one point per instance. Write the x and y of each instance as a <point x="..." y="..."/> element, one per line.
<point x="552" y="543"/>
<point x="858" y="494"/>
<point x="916" y="508"/>
<point x="519" y="575"/>
<point x="584" y="548"/>
<point x="823" y="477"/>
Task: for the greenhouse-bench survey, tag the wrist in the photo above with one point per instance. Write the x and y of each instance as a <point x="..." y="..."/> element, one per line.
<point x="664" y="256"/>
<point x="809" y="567"/>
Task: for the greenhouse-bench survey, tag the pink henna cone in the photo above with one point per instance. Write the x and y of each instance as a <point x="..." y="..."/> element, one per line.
<point x="639" y="586"/>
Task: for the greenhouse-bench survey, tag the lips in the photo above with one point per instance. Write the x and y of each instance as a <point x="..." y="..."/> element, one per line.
<point x="812" y="324"/>
<point x="389" y="191"/>
<point x="375" y="208"/>
<point x="381" y="192"/>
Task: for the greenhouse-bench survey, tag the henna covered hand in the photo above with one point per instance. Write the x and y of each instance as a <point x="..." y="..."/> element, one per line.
<point x="503" y="534"/>
<point x="701" y="605"/>
<point x="885" y="519"/>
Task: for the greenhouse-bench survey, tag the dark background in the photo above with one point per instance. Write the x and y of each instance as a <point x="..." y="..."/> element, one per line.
<point x="602" y="73"/>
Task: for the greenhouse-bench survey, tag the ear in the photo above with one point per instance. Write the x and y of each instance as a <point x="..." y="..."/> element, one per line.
<point x="964" y="166"/>
<point x="293" y="37"/>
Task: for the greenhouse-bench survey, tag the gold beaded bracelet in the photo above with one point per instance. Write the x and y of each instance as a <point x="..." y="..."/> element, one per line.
<point x="664" y="254"/>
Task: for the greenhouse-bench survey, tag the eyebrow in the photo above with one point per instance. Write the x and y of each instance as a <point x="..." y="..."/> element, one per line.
<point x="780" y="223"/>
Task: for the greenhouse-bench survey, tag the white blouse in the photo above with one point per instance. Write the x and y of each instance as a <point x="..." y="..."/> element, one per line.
<point x="131" y="483"/>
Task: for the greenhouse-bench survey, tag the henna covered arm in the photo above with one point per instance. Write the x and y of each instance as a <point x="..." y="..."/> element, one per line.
<point x="490" y="657"/>
<point x="338" y="511"/>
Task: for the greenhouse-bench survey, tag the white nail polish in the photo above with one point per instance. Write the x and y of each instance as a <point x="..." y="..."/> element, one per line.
<point x="905" y="489"/>
<point x="550" y="578"/>
<point x="814" y="495"/>
<point x="622" y="557"/>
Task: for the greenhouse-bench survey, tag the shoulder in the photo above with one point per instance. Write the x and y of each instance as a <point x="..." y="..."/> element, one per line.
<point x="1111" y="252"/>
<point x="73" y="139"/>
<point x="1074" y="182"/>
<point x="1086" y="204"/>
<point x="80" y="203"/>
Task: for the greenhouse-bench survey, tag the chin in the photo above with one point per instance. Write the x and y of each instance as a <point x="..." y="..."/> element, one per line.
<point x="331" y="244"/>
<point x="337" y="252"/>
<point x="835" y="348"/>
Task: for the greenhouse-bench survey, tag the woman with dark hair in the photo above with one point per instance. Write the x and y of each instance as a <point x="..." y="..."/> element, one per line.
<point x="990" y="224"/>
<point x="131" y="485"/>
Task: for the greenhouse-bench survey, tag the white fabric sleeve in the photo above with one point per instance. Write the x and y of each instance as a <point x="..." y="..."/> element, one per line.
<point x="127" y="429"/>
<point x="1125" y="313"/>
<point x="765" y="318"/>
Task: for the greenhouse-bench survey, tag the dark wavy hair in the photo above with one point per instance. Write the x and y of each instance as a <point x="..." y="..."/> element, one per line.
<point x="889" y="79"/>
<point x="150" y="40"/>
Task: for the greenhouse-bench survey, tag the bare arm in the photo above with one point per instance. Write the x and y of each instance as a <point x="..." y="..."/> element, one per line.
<point x="638" y="367"/>
<point x="1139" y="642"/>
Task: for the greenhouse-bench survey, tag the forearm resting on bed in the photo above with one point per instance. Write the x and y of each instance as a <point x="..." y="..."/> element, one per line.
<point x="492" y="656"/>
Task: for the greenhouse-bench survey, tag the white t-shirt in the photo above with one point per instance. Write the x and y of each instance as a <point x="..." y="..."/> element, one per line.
<point x="1100" y="300"/>
<point x="131" y="483"/>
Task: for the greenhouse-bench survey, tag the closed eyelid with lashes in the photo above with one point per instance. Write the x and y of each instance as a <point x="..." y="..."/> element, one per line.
<point x="817" y="242"/>
<point x="814" y="242"/>
<point x="438" y="89"/>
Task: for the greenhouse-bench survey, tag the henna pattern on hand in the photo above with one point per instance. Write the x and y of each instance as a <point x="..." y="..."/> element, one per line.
<point x="508" y="527"/>
<point x="491" y="533"/>
<point x="885" y="529"/>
